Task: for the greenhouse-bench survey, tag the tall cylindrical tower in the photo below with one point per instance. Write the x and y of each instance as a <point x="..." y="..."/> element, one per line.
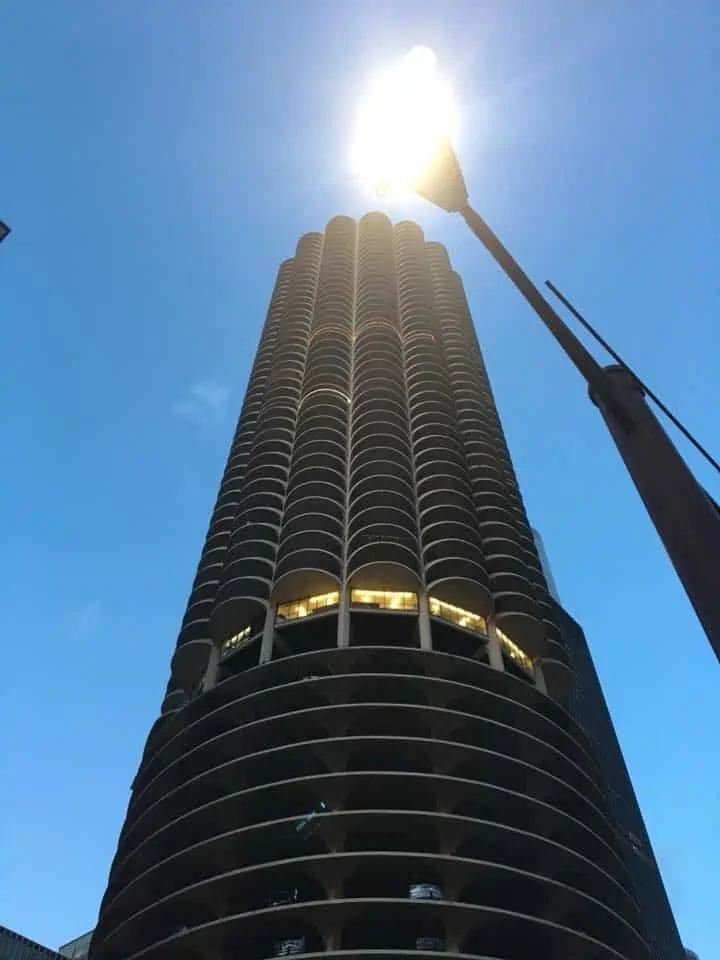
<point x="363" y="746"/>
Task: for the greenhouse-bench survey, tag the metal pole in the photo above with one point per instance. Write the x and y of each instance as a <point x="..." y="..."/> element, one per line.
<point x="619" y="360"/>
<point x="684" y="516"/>
<point x="580" y="357"/>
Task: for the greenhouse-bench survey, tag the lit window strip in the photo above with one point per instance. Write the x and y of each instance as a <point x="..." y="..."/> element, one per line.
<point x="463" y="618"/>
<point x="295" y="609"/>
<point x="385" y="599"/>
<point x="237" y="640"/>
<point x="514" y="651"/>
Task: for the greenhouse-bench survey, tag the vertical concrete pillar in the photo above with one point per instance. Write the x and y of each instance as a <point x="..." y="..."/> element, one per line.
<point x="424" y="621"/>
<point x="539" y="677"/>
<point x="331" y="936"/>
<point x="494" y="649"/>
<point x="266" y="646"/>
<point x="211" y="671"/>
<point x="343" y="637"/>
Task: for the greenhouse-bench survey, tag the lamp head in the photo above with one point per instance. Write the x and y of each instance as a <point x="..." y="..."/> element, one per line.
<point x="404" y="131"/>
<point x="442" y="181"/>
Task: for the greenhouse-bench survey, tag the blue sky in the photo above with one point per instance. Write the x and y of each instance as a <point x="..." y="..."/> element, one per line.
<point x="158" y="160"/>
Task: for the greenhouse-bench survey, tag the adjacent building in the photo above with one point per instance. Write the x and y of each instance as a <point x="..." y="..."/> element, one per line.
<point x="370" y="741"/>
<point x="587" y="706"/>
<point x="13" y="946"/>
<point x="77" y="949"/>
<point x="545" y="565"/>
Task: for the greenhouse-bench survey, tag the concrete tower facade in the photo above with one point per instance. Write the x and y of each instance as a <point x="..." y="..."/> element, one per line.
<point x="363" y="745"/>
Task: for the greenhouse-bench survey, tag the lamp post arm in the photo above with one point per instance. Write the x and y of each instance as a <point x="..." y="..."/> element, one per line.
<point x="583" y="361"/>
<point x="686" y="519"/>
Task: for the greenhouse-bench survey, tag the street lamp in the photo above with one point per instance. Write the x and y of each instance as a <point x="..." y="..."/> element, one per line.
<point x="404" y="140"/>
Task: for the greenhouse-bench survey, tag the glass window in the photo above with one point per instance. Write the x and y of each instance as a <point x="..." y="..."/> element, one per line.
<point x="515" y="652"/>
<point x="384" y="599"/>
<point x="463" y="618"/>
<point x="295" y="609"/>
<point x="237" y="640"/>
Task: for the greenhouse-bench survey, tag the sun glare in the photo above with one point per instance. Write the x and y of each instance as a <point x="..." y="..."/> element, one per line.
<point x="408" y="110"/>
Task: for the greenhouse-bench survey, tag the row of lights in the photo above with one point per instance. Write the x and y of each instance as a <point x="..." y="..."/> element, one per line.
<point x="515" y="652"/>
<point x="387" y="600"/>
<point x="237" y="640"/>
<point x="463" y="618"/>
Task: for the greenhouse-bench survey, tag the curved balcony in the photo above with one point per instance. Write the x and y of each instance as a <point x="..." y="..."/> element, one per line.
<point x="564" y="871"/>
<point x="307" y="559"/>
<point x="389" y="463"/>
<point x="326" y="506"/>
<point x="377" y="423"/>
<point x="312" y="520"/>
<point x="309" y="539"/>
<point x="454" y="683"/>
<point x="379" y="442"/>
<point x="238" y="601"/>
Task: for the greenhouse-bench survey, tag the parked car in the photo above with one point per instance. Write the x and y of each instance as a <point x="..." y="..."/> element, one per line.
<point x="429" y="943"/>
<point x="304" y="827"/>
<point x="289" y="946"/>
<point x="282" y="897"/>
<point x="425" y="891"/>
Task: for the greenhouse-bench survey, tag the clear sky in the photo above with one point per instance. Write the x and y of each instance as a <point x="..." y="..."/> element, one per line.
<point x="158" y="159"/>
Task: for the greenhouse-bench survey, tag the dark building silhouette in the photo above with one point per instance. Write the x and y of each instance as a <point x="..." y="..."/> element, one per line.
<point x="587" y="705"/>
<point x="365" y="743"/>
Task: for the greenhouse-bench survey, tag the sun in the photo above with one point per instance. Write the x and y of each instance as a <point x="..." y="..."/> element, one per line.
<point x="409" y="109"/>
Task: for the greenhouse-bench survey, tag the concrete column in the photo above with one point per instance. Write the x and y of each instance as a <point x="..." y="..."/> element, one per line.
<point x="424" y="621"/>
<point x="331" y="937"/>
<point x="458" y="934"/>
<point x="211" y="670"/>
<point x="448" y="797"/>
<point x="266" y="646"/>
<point x="333" y="833"/>
<point x="494" y="649"/>
<point x="449" y="839"/>
<point x="343" y="637"/>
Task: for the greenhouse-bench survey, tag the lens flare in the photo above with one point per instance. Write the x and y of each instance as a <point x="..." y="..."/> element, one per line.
<point x="408" y="111"/>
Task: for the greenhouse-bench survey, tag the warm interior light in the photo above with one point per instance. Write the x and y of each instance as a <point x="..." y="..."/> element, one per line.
<point x="408" y="111"/>
<point x="385" y="599"/>
<point x="307" y="605"/>
<point x="514" y="651"/>
<point x="463" y="618"/>
<point x="237" y="640"/>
